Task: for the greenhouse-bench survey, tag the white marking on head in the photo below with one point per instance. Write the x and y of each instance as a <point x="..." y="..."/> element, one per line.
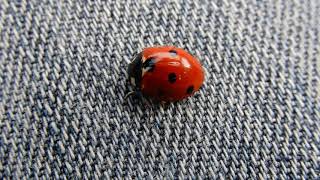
<point x="144" y="70"/>
<point x="133" y="81"/>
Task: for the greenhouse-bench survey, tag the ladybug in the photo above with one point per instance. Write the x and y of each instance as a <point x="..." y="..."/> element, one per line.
<point x="165" y="73"/>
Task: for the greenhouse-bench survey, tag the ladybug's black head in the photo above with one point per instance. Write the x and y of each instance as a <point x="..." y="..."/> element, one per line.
<point x="135" y="71"/>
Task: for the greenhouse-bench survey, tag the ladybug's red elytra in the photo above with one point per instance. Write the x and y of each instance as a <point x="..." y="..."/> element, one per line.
<point x="165" y="73"/>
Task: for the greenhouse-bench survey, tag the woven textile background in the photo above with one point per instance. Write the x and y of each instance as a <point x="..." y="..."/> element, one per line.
<point x="63" y="81"/>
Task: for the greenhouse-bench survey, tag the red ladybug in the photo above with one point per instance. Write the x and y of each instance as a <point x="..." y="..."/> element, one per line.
<point x="165" y="73"/>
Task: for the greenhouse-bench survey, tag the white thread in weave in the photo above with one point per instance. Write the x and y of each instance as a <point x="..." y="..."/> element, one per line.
<point x="63" y="81"/>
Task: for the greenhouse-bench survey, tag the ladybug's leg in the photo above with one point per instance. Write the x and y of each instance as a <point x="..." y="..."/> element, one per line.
<point x="136" y="93"/>
<point x="165" y="104"/>
<point x="130" y="94"/>
<point x="147" y="103"/>
<point x="139" y="94"/>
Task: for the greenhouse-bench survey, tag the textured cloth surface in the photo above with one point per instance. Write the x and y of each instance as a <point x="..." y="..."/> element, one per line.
<point x="63" y="81"/>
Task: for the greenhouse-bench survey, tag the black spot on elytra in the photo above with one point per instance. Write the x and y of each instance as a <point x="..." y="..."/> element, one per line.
<point x="172" y="77"/>
<point x="149" y="63"/>
<point x="173" y="52"/>
<point x="190" y="89"/>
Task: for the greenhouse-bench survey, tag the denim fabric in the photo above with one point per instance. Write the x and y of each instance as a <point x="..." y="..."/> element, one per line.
<point x="63" y="82"/>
